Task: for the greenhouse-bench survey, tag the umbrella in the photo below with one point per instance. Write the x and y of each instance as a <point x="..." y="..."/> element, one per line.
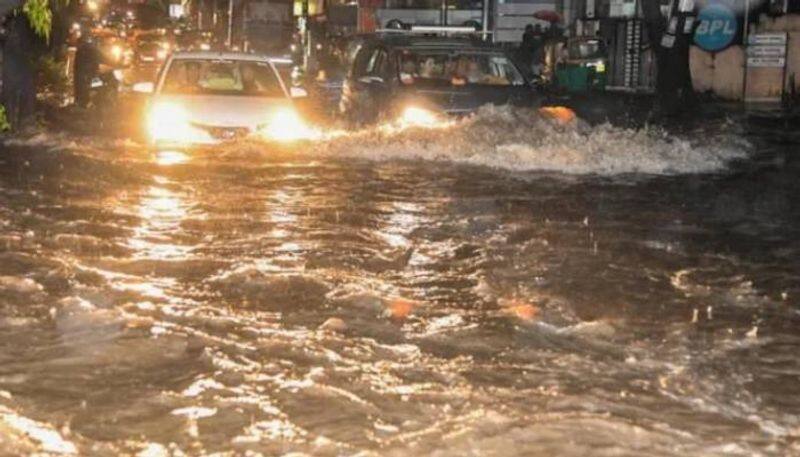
<point x="547" y="15"/>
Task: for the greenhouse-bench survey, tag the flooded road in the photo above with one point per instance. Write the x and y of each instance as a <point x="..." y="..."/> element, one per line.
<point x="479" y="289"/>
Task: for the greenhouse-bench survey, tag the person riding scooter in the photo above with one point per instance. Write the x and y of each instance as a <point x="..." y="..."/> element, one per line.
<point x="89" y="62"/>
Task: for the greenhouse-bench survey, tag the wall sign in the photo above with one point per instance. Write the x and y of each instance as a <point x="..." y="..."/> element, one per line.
<point x="767" y="50"/>
<point x="716" y="29"/>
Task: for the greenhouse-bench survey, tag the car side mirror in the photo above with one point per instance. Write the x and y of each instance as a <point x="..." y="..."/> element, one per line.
<point x="144" y="87"/>
<point x="297" y="92"/>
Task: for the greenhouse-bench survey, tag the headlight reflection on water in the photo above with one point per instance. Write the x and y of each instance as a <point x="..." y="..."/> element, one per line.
<point x="161" y="210"/>
<point x="168" y="158"/>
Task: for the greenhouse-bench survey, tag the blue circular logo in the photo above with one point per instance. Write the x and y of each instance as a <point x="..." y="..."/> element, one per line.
<point x="717" y="27"/>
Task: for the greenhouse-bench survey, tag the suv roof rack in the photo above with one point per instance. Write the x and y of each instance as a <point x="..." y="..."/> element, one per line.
<point x="436" y="29"/>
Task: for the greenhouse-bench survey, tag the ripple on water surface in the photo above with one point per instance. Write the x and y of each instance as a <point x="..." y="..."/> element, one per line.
<point x="293" y="299"/>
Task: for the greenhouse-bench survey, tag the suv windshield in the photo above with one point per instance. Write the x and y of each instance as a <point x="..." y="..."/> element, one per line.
<point x="458" y="68"/>
<point x="221" y="77"/>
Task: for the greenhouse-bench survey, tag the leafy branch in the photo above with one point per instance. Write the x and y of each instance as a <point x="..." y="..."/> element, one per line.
<point x="40" y="16"/>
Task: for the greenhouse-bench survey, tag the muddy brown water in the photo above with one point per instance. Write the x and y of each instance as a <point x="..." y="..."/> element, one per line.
<point x="511" y="301"/>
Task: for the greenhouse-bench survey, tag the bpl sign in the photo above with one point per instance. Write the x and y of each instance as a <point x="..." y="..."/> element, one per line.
<point x="716" y="29"/>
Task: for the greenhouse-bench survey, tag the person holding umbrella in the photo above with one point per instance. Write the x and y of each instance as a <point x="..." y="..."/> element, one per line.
<point x="529" y="55"/>
<point x="553" y="42"/>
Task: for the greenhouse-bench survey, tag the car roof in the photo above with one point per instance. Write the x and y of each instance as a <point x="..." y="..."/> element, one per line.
<point x="416" y="41"/>
<point x="219" y="55"/>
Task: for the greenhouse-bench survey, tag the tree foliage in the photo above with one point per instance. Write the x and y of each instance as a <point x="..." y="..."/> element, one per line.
<point x="4" y="125"/>
<point x="40" y="16"/>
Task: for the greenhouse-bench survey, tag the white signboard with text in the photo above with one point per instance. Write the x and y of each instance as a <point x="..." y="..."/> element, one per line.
<point x="766" y="50"/>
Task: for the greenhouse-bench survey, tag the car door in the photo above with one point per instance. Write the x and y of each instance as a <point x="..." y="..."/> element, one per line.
<point x="367" y="88"/>
<point x="379" y="83"/>
<point x="351" y="91"/>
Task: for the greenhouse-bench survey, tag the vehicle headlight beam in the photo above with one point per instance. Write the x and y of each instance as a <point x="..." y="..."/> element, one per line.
<point x="285" y="124"/>
<point x="169" y="122"/>
<point x="414" y="116"/>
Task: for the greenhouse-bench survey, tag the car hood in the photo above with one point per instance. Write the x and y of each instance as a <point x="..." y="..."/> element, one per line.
<point x="229" y="111"/>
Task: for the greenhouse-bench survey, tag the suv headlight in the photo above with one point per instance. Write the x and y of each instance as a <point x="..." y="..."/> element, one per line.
<point x="419" y="117"/>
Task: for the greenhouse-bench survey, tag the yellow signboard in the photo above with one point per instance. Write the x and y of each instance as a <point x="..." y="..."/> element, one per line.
<point x="315" y="7"/>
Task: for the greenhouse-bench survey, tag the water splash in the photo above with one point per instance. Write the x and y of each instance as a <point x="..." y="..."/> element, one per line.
<point x="518" y="140"/>
<point x="524" y="140"/>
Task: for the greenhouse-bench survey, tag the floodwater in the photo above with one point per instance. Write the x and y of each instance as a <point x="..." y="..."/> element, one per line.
<point x="504" y="286"/>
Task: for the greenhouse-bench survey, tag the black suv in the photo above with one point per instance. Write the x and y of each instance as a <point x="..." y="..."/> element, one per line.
<point x="455" y="75"/>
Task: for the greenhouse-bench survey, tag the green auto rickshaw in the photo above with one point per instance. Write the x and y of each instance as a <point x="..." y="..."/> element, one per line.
<point x="582" y="65"/>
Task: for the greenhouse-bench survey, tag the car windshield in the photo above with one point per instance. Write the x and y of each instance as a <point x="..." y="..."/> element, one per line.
<point x="458" y="68"/>
<point x="222" y="77"/>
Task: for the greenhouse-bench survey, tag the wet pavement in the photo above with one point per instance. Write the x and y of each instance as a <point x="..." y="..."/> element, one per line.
<point x="502" y="286"/>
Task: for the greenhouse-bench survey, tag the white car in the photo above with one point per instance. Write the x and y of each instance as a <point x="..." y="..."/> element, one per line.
<point x="206" y="98"/>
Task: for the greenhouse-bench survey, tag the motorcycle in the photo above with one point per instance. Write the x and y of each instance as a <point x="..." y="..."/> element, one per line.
<point x="104" y="95"/>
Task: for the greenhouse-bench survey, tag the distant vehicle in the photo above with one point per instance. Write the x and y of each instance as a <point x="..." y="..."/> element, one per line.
<point x="83" y="25"/>
<point x="115" y="50"/>
<point x="414" y="76"/>
<point x="151" y="49"/>
<point x="195" y="40"/>
<point x="206" y="98"/>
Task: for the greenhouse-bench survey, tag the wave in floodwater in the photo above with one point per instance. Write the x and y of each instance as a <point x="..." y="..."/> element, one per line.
<point x="524" y="140"/>
<point x="505" y="138"/>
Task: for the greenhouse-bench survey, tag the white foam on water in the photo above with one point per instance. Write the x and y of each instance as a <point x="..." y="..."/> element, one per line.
<point x="40" y="138"/>
<point x="523" y="140"/>
<point x="506" y="138"/>
<point x="48" y="439"/>
<point x="19" y="285"/>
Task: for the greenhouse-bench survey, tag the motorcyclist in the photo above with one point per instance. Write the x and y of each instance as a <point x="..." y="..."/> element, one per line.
<point x="89" y="61"/>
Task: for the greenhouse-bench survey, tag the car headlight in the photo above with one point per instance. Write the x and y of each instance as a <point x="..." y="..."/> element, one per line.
<point x="116" y="52"/>
<point x="285" y="124"/>
<point x="419" y="117"/>
<point x="169" y="122"/>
